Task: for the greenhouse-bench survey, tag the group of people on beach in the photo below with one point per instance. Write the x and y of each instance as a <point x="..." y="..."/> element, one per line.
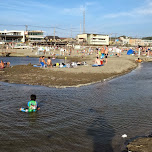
<point x="43" y="63"/>
<point x="101" y="53"/>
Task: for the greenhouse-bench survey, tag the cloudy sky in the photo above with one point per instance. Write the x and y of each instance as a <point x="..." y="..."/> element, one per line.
<point x="124" y="17"/>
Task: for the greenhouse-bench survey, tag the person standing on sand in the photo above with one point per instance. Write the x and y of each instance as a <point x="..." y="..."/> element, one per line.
<point x="106" y="54"/>
<point x="102" y="50"/>
<point x="49" y="62"/>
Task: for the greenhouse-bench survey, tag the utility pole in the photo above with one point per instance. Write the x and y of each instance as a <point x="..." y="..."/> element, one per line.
<point x="83" y="21"/>
<point x="80" y="28"/>
<point x="26" y="37"/>
<point x="26" y="27"/>
<point x="54" y="34"/>
<point x="54" y="38"/>
<point x="115" y="37"/>
<point x="110" y="37"/>
<point x="71" y="32"/>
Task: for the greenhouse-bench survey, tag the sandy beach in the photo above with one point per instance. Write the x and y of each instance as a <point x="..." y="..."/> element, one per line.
<point x="68" y="77"/>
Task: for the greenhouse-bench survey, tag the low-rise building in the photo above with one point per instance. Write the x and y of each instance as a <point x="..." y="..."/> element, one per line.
<point x="34" y="36"/>
<point x="93" y="39"/>
<point x="135" y="41"/>
<point x="12" y="36"/>
<point x="124" y="40"/>
<point x="146" y="42"/>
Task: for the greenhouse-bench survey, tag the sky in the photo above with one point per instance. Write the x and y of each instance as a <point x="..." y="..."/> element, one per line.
<point x="112" y="17"/>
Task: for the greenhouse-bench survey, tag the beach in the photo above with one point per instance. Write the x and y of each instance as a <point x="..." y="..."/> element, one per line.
<point x="68" y="77"/>
<point x="114" y="103"/>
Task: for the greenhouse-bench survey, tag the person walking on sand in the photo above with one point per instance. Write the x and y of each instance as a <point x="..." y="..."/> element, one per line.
<point x="49" y="62"/>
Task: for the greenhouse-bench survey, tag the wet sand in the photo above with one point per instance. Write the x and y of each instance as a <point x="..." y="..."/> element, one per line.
<point x="69" y="77"/>
<point x="141" y="145"/>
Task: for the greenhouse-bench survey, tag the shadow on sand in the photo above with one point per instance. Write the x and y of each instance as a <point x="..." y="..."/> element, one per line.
<point x="102" y="134"/>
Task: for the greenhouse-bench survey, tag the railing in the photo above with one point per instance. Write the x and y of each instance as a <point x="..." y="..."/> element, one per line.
<point x="18" y="41"/>
<point x="10" y="35"/>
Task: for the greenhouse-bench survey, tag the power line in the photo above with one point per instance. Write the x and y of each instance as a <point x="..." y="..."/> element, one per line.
<point x="48" y="27"/>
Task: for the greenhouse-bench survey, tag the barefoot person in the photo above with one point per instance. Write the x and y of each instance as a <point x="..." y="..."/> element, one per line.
<point x="49" y="62"/>
<point x="106" y="54"/>
<point x="98" y="61"/>
<point x="1" y="64"/>
<point x="43" y="61"/>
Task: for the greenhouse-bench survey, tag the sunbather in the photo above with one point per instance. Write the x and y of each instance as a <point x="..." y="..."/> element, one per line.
<point x="98" y="61"/>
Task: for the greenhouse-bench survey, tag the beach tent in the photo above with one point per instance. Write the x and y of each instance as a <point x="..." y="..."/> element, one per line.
<point x="130" y="52"/>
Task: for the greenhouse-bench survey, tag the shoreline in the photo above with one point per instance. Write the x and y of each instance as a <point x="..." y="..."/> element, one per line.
<point x="66" y="77"/>
<point x="79" y="85"/>
<point x="92" y="83"/>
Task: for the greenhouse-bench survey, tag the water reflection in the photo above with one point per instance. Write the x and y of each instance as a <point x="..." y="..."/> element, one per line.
<point x="85" y="119"/>
<point x="102" y="134"/>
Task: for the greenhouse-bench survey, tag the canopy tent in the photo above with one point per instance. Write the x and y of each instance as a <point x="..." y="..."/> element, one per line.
<point x="130" y="52"/>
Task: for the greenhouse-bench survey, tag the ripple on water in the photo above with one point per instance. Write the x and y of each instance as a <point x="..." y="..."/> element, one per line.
<point x="84" y="119"/>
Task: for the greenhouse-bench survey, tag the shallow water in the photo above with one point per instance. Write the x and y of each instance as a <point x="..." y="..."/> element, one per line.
<point x="25" y="60"/>
<point x="86" y="119"/>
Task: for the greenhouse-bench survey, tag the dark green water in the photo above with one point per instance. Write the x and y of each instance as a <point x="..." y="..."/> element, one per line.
<point x="85" y="119"/>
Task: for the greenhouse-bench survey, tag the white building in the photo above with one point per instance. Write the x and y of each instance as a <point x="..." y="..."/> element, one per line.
<point x="35" y="36"/>
<point x="12" y="36"/>
<point x="125" y="40"/>
<point x="146" y="42"/>
<point x="93" y="39"/>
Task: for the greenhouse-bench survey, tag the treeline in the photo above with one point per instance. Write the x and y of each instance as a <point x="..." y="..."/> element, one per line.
<point x="147" y="38"/>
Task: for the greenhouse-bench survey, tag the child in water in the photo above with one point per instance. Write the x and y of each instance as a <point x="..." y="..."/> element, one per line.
<point x="139" y="60"/>
<point x="32" y="105"/>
